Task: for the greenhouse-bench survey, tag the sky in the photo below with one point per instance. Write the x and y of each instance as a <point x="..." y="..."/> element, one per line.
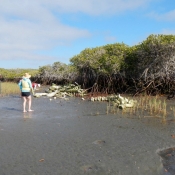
<point x="36" y="33"/>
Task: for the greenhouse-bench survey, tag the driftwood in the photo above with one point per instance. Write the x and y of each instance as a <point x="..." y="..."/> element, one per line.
<point x="62" y="91"/>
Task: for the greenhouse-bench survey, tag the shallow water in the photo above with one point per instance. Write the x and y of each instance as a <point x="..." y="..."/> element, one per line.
<point x="168" y="157"/>
<point x="75" y="137"/>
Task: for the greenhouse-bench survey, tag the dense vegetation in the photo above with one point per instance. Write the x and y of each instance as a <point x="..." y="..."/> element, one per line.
<point x="59" y="73"/>
<point x="146" y="67"/>
<point x="14" y="75"/>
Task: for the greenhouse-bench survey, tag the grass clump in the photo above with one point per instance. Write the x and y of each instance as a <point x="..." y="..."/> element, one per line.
<point x="9" y="88"/>
<point x="146" y="106"/>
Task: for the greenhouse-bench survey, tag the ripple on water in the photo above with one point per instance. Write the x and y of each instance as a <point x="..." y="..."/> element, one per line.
<point x="92" y="169"/>
<point x="99" y="142"/>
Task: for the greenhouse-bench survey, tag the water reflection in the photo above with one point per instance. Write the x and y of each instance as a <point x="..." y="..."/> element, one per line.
<point x="27" y="115"/>
<point x="11" y="109"/>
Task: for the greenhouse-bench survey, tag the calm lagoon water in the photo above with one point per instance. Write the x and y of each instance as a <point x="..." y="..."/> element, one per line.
<point x="76" y="137"/>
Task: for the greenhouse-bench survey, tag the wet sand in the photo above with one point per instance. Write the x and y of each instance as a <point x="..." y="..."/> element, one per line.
<point x="76" y="137"/>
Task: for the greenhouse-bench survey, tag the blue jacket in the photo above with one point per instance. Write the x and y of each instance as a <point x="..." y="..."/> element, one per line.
<point x="25" y="85"/>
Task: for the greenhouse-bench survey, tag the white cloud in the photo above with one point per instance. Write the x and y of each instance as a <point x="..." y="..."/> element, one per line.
<point x="95" y="7"/>
<point x="41" y="9"/>
<point x="169" y="16"/>
<point x="110" y="39"/>
<point x="32" y="32"/>
<point x="29" y="26"/>
<point x="168" y="32"/>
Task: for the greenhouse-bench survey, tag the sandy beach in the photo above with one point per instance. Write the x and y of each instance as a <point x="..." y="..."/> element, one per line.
<point x="76" y="137"/>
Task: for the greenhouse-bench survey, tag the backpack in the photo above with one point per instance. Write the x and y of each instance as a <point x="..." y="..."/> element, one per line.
<point x="25" y="84"/>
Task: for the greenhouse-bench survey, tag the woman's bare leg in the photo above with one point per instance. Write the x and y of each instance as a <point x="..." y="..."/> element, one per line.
<point x="30" y="102"/>
<point x="24" y="104"/>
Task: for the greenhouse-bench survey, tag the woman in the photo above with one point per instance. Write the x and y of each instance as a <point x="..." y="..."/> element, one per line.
<point x="25" y="87"/>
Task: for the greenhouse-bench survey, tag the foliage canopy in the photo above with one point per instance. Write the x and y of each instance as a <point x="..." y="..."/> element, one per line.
<point x="148" y="66"/>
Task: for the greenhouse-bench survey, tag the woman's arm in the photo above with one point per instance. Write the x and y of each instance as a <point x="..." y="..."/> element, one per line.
<point x="30" y="85"/>
<point x="20" y="84"/>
